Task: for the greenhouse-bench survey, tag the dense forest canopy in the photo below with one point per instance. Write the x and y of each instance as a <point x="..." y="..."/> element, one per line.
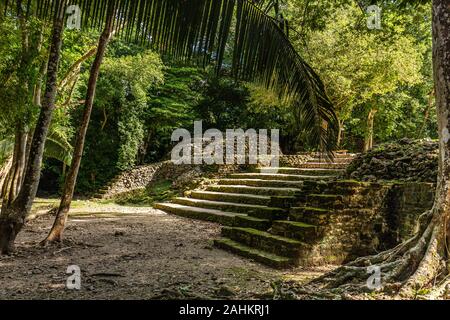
<point x="390" y="74"/>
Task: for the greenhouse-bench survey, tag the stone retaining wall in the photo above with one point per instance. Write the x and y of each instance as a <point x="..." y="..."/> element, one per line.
<point x="403" y="206"/>
<point x="406" y="160"/>
<point x="137" y="178"/>
<point x="142" y="176"/>
<point x="373" y="218"/>
<point x="293" y="161"/>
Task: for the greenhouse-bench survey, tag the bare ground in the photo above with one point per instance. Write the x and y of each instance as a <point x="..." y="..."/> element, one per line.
<point x="133" y="253"/>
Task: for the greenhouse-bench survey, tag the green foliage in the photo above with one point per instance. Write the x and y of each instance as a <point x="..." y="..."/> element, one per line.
<point x="170" y="106"/>
<point x="200" y="31"/>
<point x="17" y="67"/>
<point x="388" y="70"/>
<point x="6" y="149"/>
<point x="20" y="63"/>
<point x="224" y="104"/>
<point x="139" y="103"/>
<point x="132" y="129"/>
<point x="131" y="77"/>
<point x="160" y="191"/>
<point x="228" y="104"/>
<point x="57" y="147"/>
<point x="117" y="130"/>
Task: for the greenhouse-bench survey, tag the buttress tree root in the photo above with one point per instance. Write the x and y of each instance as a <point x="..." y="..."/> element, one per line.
<point x="419" y="265"/>
<point x="421" y="262"/>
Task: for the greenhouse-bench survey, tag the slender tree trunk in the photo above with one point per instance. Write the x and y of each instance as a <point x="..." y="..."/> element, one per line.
<point x="368" y="143"/>
<point x="13" y="217"/>
<point x="427" y="114"/>
<point x="340" y="133"/>
<point x="37" y="91"/>
<point x="4" y="170"/>
<point x="56" y="233"/>
<point x="14" y="178"/>
<point x="38" y="88"/>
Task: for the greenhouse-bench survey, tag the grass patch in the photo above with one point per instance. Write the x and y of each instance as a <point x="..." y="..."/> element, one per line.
<point x="160" y="191"/>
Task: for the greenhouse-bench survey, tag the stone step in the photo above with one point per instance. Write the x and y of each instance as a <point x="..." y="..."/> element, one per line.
<point x="321" y="217"/>
<point x="100" y="194"/>
<point x="325" y="201"/>
<point x="310" y="215"/>
<point x="310" y="172"/>
<point x="264" y="257"/>
<point x="225" y="218"/>
<point x="336" y="155"/>
<point x="252" y="222"/>
<point x="265" y="241"/>
<point x="262" y="183"/>
<point x="284" y="202"/>
<point x="335" y="160"/>
<point x="323" y="165"/>
<point x="250" y="209"/>
<point x="345" y="188"/>
<point x="295" y="230"/>
<point x="278" y="177"/>
<point x="231" y="197"/>
<point x="264" y="191"/>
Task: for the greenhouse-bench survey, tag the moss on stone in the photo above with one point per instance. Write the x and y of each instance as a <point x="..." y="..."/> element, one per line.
<point x="267" y="235"/>
<point x="252" y="253"/>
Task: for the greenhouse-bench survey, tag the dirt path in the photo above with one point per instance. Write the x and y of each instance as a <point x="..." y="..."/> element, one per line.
<point x="133" y="253"/>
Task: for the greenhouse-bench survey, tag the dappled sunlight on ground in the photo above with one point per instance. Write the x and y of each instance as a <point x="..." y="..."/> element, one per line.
<point x="133" y="253"/>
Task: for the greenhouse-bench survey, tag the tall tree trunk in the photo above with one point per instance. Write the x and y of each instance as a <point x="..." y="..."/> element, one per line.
<point x="38" y="88"/>
<point x="437" y="250"/>
<point x="4" y="170"/>
<point x="429" y="258"/>
<point x="422" y="261"/>
<point x="12" y="217"/>
<point x="14" y="178"/>
<point x="427" y="114"/>
<point x="368" y="143"/>
<point x="340" y="133"/>
<point x="56" y="233"/>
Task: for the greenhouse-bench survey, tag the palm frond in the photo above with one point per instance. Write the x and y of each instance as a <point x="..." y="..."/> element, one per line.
<point x="199" y="30"/>
<point x="6" y="149"/>
<point x="58" y="147"/>
<point x="264" y="54"/>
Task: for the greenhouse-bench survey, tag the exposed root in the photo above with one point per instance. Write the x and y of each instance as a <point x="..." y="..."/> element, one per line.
<point x="50" y="240"/>
<point x="405" y="270"/>
<point x="440" y="291"/>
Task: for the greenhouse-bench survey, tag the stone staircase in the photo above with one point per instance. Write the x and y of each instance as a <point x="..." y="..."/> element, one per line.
<point x="255" y="207"/>
<point x="100" y="194"/>
<point x="329" y="222"/>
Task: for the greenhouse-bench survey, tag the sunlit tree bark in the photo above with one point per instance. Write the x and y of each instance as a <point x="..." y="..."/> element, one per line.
<point x="12" y="217"/>
<point x="57" y="230"/>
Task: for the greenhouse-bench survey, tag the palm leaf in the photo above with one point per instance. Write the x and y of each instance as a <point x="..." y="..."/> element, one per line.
<point x="6" y="149"/>
<point x="58" y="147"/>
<point x="199" y="30"/>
